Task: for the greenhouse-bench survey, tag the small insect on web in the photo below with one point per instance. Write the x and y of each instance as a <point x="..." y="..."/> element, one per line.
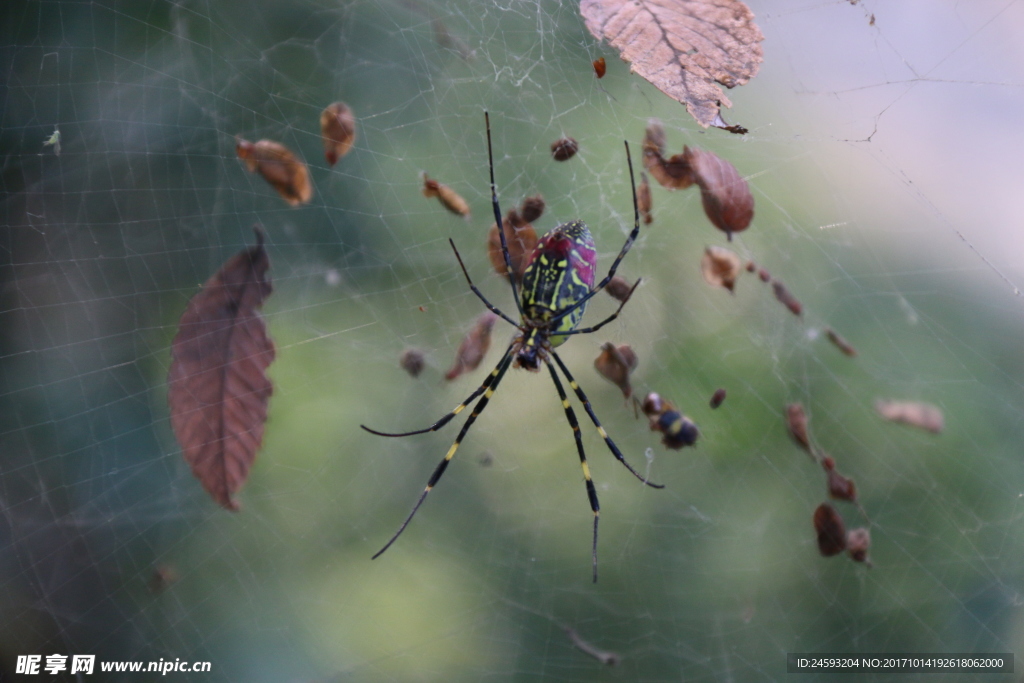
<point x="556" y="286"/>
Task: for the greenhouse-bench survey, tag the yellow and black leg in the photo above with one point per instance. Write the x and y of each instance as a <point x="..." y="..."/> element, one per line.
<point x="597" y="423"/>
<point x="488" y="387"/>
<point x="570" y="415"/>
<point x="489" y="382"/>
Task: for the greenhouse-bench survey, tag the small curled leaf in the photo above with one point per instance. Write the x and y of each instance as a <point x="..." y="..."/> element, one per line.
<point x="412" y="361"/>
<point x="520" y="237"/>
<point x="337" y="130"/>
<point x="673" y="173"/>
<point x="720" y="267"/>
<point x="279" y="167"/>
<point x="830" y="529"/>
<point x="717" y="398"/>
<point x="474" y="346"/>
<point x="618" y="288"/>
<point x="531" y="208"/>
<point x="643" y="199"/>
<point x="564" y="149"/>
<point x="615" y="364"/>
<point x="600" y="67"/>
<point x="921" y="415"/>
<point x="796" y="425"/>
<point x="840" y="343"/>
<point x="858" y="543"/>
<point x="839" y="487"/>
<point x="449" y="198"/>
<point x="787" y="298"/>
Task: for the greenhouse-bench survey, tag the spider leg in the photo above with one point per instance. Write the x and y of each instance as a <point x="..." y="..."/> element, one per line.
<point x="622" y="252"/>
<point x="494" y="309"/>
<point x="570" y="415"/>
<point x="498" y="220"/>
<point x="497" y="374"/>
<point x="492" y="379"/>
<point x="613" y="316"/>
<point x="597" y="423"/>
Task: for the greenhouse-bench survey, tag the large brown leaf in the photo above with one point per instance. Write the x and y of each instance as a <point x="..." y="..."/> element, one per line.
<point x="685" y="48"/>
<point x="217" y="385"/>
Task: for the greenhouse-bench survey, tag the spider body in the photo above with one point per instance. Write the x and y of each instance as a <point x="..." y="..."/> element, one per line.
<point x="556" y="286"/>
<point x="560" y="272"/>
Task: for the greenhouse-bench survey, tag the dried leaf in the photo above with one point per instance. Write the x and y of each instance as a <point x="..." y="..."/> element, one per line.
<point x="412" y="361"/>
<point x="685" y="48"/>
<point x="217" y="385"/>
<point x="726" y="197"/>
<point x="337" y="130"/>
<point x="720" y="267"/>
<point x="473" y="347"/>
<point x="839" y="487"/>
<point x="564" y="149"/>
<point x="600" y="67"/>
<point x="830" y="529"/>
<point x="674" y="173"/>
<point x="531" y="208"/>
<point x="717" y="398"/>
<point x="618" y="288"/>
<point x="616" y="364"/>
<point x="520" y="236"/>
<point x="279" y="167"/>
<point x="449" y="198"/>
<point x="796" y="424"/>
<point x="922" y="415"/>
<point x="787" y="298"/>
<point x="840" y="343"/>
<point x="858" y="542"/>
<point x="643" y="199"/>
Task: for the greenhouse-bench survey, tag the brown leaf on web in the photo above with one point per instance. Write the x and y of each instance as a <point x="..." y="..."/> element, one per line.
<point x="520" y="237"/>
<point x="473" y="347"/>
<point x="830" y="529"/>
<point x="337" y="130"/>
<point x="685" y="48"/>
<point x="449" y="198"/>
<point x="616" y="364"/>
<point x="720" y="267"/>
<point x="725" y="195"/>
<point x="217" y="385"/>
<point x="279" y="167"/>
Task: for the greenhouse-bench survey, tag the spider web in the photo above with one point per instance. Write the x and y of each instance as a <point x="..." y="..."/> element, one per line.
<point x="882" y="156"/>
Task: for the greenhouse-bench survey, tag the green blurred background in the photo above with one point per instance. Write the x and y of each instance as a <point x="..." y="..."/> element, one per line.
<point x="883" y="159"/>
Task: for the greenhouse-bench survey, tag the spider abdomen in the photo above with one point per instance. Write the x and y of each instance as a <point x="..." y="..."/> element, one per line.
<point x="560" y="271"/>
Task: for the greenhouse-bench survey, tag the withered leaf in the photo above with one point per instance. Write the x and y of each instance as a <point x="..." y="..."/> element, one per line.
<point x="720" y="267"/>
<point x="786" y="298"/>
<point x="473" y="347"/>
<point x="839" y="487"/>
<point x="685" y="48"/>
<point x="337" y="130"/>
<point x="600" y="67"/>
<point x="840" y="343"/>
<point x="615" y="364"/>
<point x="618" y="288"/>
<point x="922" y="415"/>
<point x="520" y="237"/>
<point x="279" y="167"/>
<point x="858" y="542"/>
<point x="449" y="198"/>
<point x="796" y="425"/>
<point x="564" y="149"/>
<point x="643" y="199"/>
<point x="717" y="398"/>
<point x="412" y="361"/>
<point x="674" y="173"/>
<point x="830" y="529"/>
<point x="726" y="197"/>
<point x="217" y="385"/>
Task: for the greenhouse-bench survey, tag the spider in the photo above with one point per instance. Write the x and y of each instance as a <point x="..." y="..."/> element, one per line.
<point x="556" y="286"/>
